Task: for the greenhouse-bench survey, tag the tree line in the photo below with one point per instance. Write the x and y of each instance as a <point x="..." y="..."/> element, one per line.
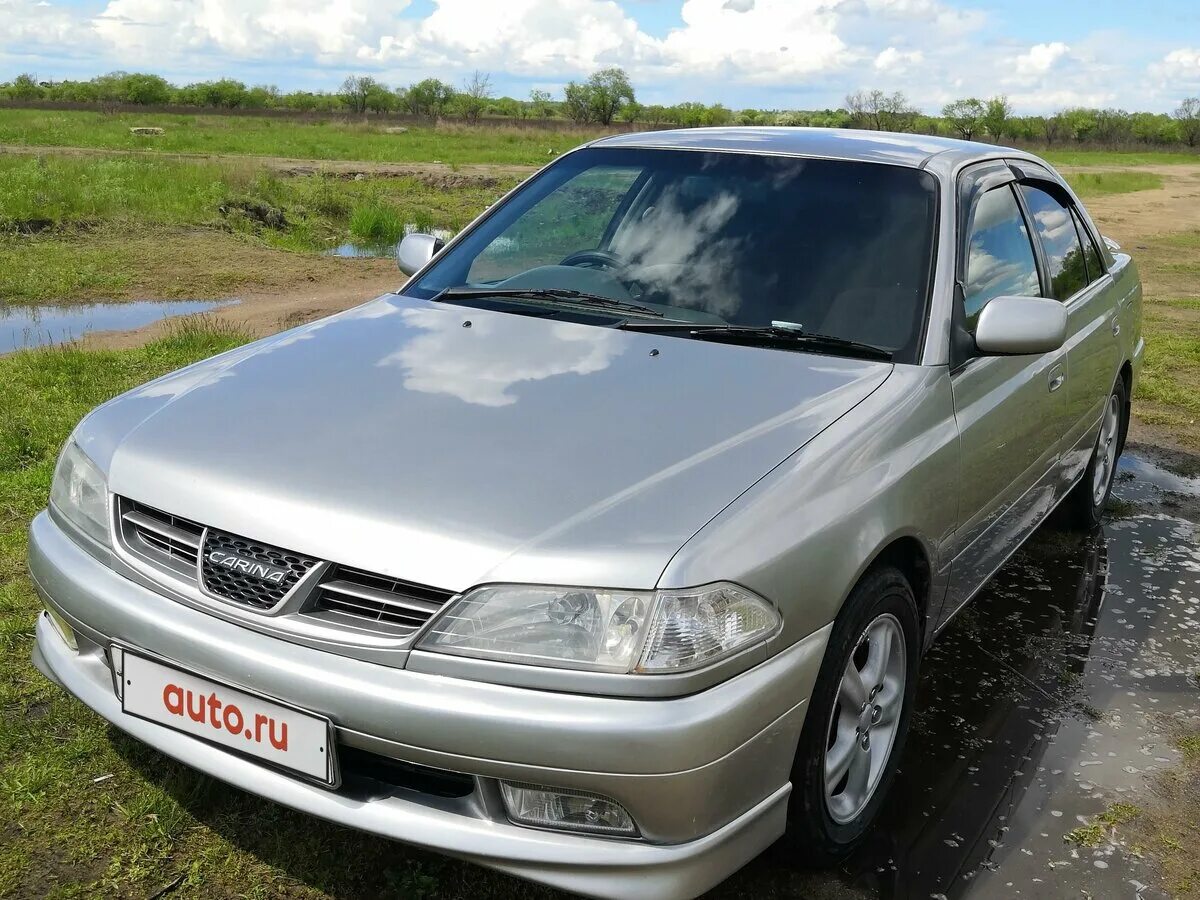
<point x="608" y="96"/>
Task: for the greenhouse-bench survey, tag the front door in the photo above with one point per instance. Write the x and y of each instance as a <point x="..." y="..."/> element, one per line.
<point x="1010" y="409"/>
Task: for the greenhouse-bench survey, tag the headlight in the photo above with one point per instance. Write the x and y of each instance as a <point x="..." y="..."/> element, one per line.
<point x="80" y="493"/>
<point x="603" y="630"/>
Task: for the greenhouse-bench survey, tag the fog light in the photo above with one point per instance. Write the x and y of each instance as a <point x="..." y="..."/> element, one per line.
<point x="565" y="810"/>
<point x="65" y="631"/>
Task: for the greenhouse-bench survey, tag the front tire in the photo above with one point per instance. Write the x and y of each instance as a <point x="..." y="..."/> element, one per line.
<point x="857" y="719"/>
<point x="1084" y="505"/>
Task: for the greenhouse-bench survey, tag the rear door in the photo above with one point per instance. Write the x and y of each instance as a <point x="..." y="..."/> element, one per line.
<point x="1078" y="278"/>
<point x="1010" y="409"/>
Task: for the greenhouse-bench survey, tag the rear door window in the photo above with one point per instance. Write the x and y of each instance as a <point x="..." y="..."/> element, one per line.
<point x="1091" y="253"/>
<point x="1055" y="228"/>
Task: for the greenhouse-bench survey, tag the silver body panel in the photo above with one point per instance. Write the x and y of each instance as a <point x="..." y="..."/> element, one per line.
<point x="393" y="439"/>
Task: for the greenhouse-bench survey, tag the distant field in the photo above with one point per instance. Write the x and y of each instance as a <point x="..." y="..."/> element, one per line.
<point x="1071" y="156"/>
<point x="317" y="140"/>
<point x="453" y="144"/>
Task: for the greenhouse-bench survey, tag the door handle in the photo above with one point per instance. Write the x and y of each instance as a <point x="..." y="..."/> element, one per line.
<point x="1116" y="327"/>
<point x="1057" y="377"/>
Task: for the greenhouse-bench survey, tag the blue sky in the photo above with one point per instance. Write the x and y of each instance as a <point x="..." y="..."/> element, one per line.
<point x="764" y="53"/>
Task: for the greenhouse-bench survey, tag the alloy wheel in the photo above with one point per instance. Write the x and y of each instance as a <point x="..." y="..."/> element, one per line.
<point x="1106" y="450"/>
<point x="865" y="717"/>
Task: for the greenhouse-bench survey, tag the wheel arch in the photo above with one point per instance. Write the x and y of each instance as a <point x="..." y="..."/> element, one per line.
<point x="1126" y="376"/>
<point x="912" y="558"/>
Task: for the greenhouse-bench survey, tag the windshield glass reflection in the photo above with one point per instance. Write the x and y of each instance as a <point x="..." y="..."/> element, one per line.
<point x="827" y="246"/>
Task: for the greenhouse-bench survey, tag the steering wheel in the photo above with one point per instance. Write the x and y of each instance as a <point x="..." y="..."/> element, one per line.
<point x="594" y="259"/>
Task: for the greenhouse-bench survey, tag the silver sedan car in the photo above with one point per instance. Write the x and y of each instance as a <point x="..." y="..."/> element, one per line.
<point x="605" y="552"/>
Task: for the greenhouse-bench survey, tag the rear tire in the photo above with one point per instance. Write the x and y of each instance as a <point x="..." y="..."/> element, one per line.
<point x="857" y="720"/>
<point x="1084" y="505"/>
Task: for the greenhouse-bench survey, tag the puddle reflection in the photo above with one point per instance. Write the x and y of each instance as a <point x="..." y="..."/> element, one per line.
<point x="37" y="326"/>
<point x="1054" y="694"/>
<point x="995" y="690"/>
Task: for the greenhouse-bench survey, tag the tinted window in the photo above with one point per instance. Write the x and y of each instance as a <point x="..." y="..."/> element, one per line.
<point x="573" y="217"/>
<point x="1000" y="260"/>
<point x="836" y="247"/>
<point x="1091" y="255"/>
<point x="1060" y="242"/>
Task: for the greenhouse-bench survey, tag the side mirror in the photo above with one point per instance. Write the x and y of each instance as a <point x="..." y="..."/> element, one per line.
<point x="1012" y="326"/>
<point x="415" y="250"/>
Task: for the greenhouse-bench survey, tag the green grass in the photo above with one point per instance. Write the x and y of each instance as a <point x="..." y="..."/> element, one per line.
<point x="47" y="270"/>
<point x="295" y="139"/>
<point x="63" y="192"/>
<point x="1075" y="156"/>
<point x="1171" y="372"/>
<point x="98" y="223"/>
<point x="1190" y="746"/>
<point x="1093" y="184"/>
<point x="86" y="811"/>
<point x="376" y="224"/>
<point x="325" y="139"/>
<point x="1092" y="834"/>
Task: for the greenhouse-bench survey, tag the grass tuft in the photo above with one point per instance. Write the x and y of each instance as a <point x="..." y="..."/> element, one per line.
<point x="376" y="224"/>
<point x="1094" y="184"/>
<point x="1100" y="828"/>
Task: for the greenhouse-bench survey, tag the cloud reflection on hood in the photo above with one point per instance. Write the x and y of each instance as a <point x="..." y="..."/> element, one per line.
<point x="500" y="356"/>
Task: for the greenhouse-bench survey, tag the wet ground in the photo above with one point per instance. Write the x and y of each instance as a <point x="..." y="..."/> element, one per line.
<point x="37" y="326"/>
<point x="352" y="250"/>
<point x="1055" y="694"/>
<point x="357" y="250"/>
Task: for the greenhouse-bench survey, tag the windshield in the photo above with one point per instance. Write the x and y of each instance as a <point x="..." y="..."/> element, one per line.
<point x="824" y="246"/>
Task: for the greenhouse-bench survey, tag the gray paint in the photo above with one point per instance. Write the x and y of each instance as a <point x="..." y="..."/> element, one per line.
<point x="394" y="439"/>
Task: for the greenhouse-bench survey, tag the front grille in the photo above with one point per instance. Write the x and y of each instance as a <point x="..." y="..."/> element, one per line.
<point x="246" y="587"/>
<point x="161" y="537"/>
<point x="402" y="606"/>
<point x="339" y="595"/>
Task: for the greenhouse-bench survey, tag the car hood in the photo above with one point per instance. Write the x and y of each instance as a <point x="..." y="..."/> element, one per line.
<point x="452" y="446"/>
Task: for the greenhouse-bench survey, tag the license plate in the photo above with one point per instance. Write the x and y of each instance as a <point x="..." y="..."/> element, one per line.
<point x="264" y="729"/>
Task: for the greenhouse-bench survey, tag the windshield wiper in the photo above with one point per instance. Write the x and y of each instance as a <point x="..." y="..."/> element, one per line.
<point x="553" y="296"/>
<point x="772" y="335"/>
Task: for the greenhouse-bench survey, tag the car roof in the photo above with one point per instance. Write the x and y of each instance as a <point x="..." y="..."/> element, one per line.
<point x="831" y="143"/>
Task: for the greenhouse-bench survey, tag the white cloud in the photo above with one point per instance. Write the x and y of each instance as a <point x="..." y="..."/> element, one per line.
<point x="245" y="28"/>
<point x="1179" y="71"/>
<point x="529" y="36"/>
<point x="1185" y="59"/>
<point x="947" y="20"/>
<point x="29" y="25"/>
<point x="771" y="41"/>
<point x="1040" y="58"/>
<point x="897" y="61"/>
<point x="746" y="41"/>
<point x="802" y="53"/>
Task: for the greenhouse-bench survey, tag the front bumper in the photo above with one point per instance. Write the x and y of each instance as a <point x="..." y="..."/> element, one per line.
<point x="705" y="776"/>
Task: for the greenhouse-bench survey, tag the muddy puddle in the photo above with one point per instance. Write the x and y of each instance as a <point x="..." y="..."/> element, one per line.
<point x="1055" y="694"/>
<point x="351" y="250"/>
<point x="38" y="326"/>
<point x="356" y="250"/>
